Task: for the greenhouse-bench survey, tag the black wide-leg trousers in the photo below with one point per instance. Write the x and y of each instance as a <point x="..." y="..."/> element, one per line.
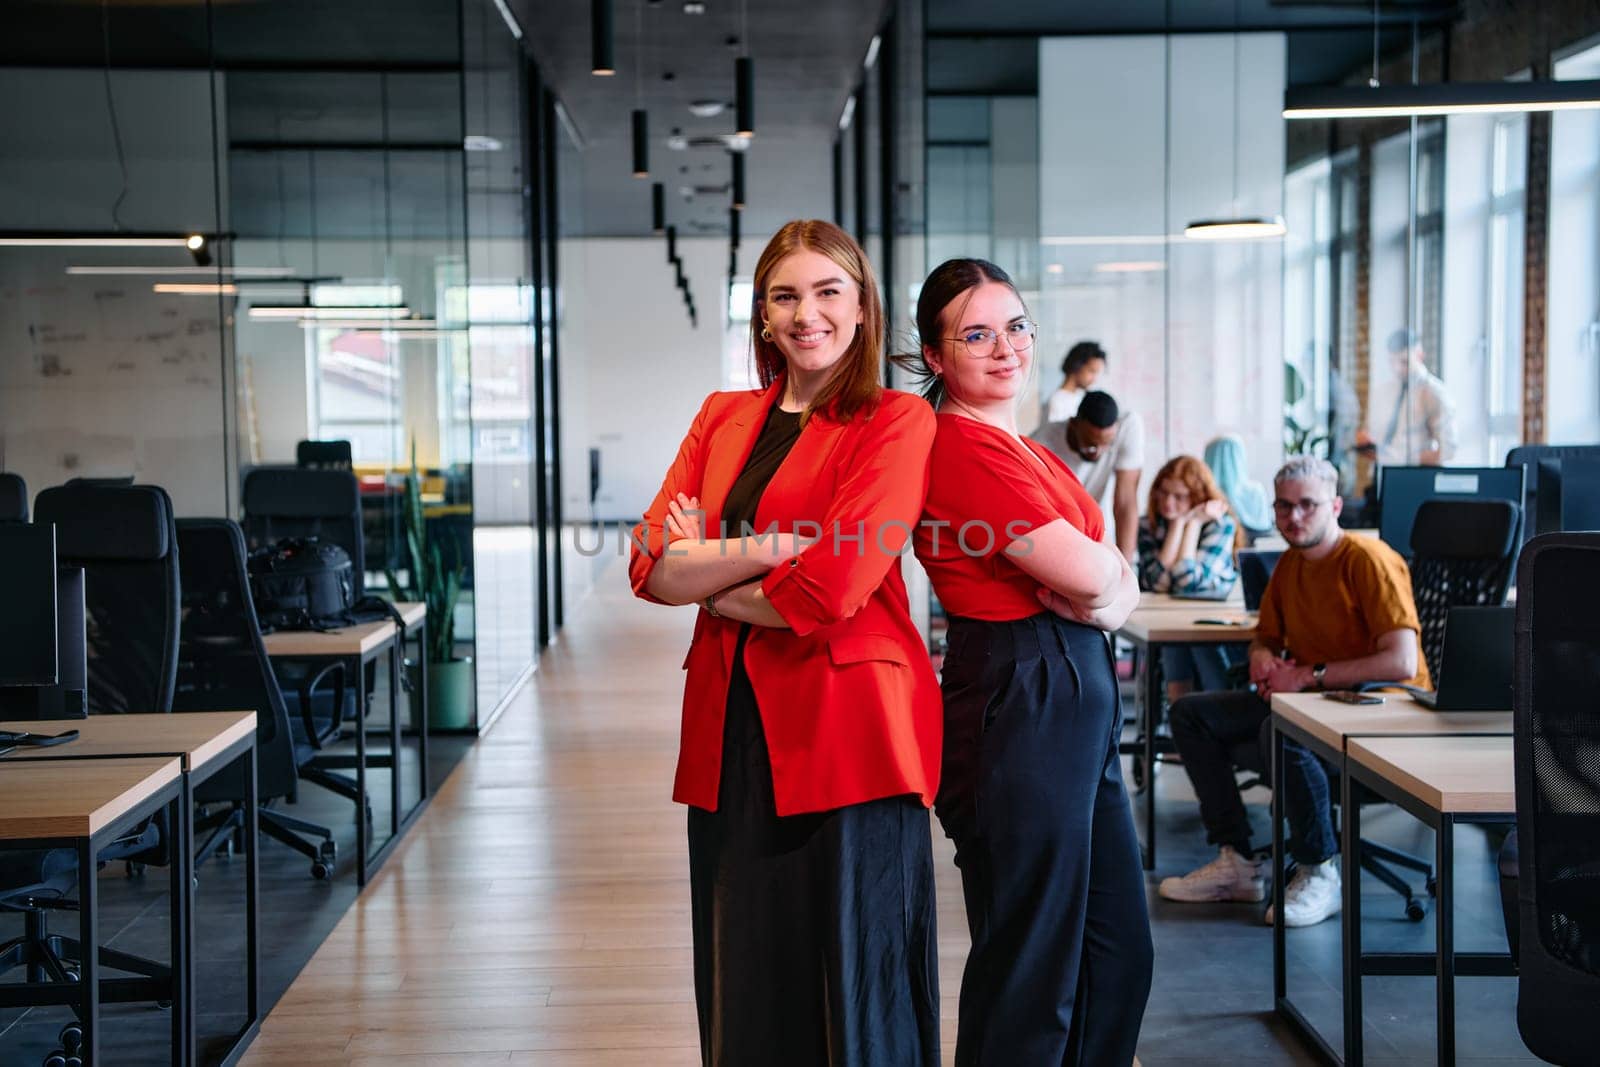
<point x="1032" y="796"/>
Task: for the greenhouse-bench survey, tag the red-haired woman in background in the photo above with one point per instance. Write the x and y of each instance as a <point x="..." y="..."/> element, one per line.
<point x="811" y="724"/>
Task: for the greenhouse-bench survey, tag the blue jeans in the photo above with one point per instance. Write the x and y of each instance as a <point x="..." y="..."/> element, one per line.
<point x="1205" y="665"/>
<point x="1216" y="732"/>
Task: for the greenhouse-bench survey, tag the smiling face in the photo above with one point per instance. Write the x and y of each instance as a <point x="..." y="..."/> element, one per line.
<point x="813" y="311"/>
<point x="993" y="314"/>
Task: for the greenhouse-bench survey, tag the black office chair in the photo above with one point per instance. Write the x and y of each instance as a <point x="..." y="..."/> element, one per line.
<point x="323" y="455"/>
<point x="124" y="540"/>
<point x="1461" y="556"/>
<point x="1557" y="842"/>
<point x="222" y="666"/>
<point x="13" y="498"/>
<point x="291" y="502"/>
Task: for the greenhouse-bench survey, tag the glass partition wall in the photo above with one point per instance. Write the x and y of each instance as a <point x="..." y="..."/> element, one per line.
<point x="375" y="270"/>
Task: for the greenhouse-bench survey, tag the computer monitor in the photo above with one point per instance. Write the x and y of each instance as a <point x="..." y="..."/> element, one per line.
<point x="28" y="654"/>
<point x="1401" y="491"/>
<point x="1569" y="494"/>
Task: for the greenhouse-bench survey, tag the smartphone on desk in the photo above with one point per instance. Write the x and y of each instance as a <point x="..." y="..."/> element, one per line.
<point x="1350" y="696"/>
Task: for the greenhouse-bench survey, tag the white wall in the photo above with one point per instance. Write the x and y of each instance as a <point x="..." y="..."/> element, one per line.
<point x="633" y="370"/>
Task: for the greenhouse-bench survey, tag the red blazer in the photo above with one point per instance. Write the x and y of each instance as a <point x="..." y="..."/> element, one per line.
<point x="848" y="698"/>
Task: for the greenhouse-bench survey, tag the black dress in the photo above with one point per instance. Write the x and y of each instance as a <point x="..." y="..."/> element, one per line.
<point x="813" y="934"/>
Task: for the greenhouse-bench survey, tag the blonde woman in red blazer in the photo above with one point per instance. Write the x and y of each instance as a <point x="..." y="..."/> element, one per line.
<point x="811" y="716"/>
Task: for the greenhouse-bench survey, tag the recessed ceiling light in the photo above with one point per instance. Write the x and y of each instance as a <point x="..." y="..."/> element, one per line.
<point x="1130" y="266"/>
<point x="693" y="7"/>
<point x="705" y="109"/>
<point x="477" y="142"/>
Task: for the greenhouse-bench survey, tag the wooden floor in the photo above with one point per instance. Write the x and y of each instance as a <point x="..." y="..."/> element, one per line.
<point x="539" y="911"/>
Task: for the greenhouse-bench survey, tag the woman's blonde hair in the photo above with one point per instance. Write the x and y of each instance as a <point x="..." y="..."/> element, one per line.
<point x="857" y="381"/>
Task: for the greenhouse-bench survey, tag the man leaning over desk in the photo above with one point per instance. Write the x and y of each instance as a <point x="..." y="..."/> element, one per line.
<point x="1337" y="612"/>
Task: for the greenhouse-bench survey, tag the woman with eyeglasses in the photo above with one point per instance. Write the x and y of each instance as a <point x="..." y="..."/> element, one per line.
<point x="1031" y="789"/>
<point x="811" y="723"/>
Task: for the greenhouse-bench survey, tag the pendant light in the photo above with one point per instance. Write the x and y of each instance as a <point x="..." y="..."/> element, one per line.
<point x="658" y="207"/>
<point x="738" y="181"/>
<point x="641" y="119"/>
<point x="603" y="59"/>
<point x="744" y="81"/>
<point x="1242" y="227"/>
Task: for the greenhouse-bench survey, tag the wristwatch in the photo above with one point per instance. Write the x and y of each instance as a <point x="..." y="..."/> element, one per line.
<point x="711" y="606"/>
<point x="1319" y="671"/>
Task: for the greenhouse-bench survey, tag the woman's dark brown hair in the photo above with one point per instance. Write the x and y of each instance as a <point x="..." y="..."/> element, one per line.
<point x="857" y="382"/>
<point x="948" y="281"/>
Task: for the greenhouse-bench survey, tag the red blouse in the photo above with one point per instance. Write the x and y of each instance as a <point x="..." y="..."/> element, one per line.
<point x="983" y="494"/>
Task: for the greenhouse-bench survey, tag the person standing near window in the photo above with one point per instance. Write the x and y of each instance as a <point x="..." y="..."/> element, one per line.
<point x="1084" y="364"/>
<point x="1031" y="791"/>
<point x="811" y="720"/>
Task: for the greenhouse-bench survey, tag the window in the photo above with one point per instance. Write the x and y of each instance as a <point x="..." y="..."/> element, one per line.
<point x="1572" y="361"/>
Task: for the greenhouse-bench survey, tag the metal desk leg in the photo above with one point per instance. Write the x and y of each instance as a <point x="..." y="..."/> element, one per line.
<point x="420" y="697"/>
<point x="1444" y="919"/>
<point x="252" y="891"/>
<point x="1280" y="948"/>
<point x="1150" y="715"/>
<point x="182" y="925"/>
<point x="1350" y="868"/>
<point x="395" y="660"/>
<point x="89" y="965"/>
<point x="361" y="771"/>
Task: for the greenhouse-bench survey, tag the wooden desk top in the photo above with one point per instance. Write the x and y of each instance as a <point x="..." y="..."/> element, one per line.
<point x="1167" y="602"/>
<point x="347" y="641"/>
<point x="75" y="798"/>
<point x="412" y="612"/>
<point x="200" y="736"/>
<point x="1171" y="626"/>
<point x="1332" y="722"/>
<point x="1449" y="774"/>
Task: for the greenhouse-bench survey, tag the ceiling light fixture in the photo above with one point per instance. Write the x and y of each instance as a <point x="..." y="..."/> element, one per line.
<point x="509" y="19"/>
<point x="848" y="113"/>
<point x="195" y="288"/>
<point x="1128" y="266"/>
<point x="1440" y="98"/>
<point x="872" y="52"/>
<point x="707" y="109"/>
<point x="189" y="272"/>
<point x="733" y="227"/>
<point x="738" y="182"/>
<point x="410" y="327"/>
<point x="672" y="244"/>
<point x="744" y="79"/>
<point x="658" y="207"/>
<point x="23" y="239"/>
<point x="328" y="311"/>
<point x="603" y="58"/>
<point x="477" y="142"/>
<point x="641" y="143"/>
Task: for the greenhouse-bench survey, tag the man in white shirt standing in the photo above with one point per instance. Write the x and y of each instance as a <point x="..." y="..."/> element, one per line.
<point x="1421" y="427"/>
<point x="1097" y="443"/>
<point x="1085" y="362"/>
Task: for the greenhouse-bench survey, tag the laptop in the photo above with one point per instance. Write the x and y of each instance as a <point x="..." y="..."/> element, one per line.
<point x="1255" y="568"/>
<point x="1475" y="664"/>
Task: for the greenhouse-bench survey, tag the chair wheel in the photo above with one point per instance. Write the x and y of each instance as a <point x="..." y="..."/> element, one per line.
<point x="71" y="1037"/>
<point x="320" y="871"/>
<point x="1415" y="911"/>
<point x="74" y="1061"/>
<point x="73" y="976"/>
<point x="55" y="1059"/>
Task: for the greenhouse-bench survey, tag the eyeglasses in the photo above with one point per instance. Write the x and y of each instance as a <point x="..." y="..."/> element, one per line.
<point x="984" y="343"/>
<point x="1306" y="506"/>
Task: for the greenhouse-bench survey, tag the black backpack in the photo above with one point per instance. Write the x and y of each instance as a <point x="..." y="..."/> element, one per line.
<point x="302" y="584"/>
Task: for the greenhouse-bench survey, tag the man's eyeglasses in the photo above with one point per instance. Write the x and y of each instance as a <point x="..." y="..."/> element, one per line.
<point x="983" y="343"/>
<point x="1306" y="506"/>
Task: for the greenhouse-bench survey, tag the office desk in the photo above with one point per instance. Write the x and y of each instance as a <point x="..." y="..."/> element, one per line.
<point x="85" y="805"/>
<point x="204" y="742"/>
<point x="1332" y="730"/>
<point x="1442" y="781"/>
<point x="1165" y="620"/>
<point x="355" y="647"/>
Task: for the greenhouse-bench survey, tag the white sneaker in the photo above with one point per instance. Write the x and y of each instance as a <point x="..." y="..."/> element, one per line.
<point x="1228" y="877"/>
<point x="1311" y="896"/>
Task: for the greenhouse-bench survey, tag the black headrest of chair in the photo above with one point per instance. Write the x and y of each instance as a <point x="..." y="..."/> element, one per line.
<point x="13" y="498"/>
<point x="325" y="455"/>
<point x="1465" y="529"/>
<point x="108" y="522"/>
<point x="298" y="493"/>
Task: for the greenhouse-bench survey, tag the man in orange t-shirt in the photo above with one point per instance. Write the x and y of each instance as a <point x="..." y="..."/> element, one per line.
<point x="1337" y="612"/>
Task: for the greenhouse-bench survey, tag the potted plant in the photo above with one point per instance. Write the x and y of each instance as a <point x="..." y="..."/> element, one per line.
<point x="437" y="585"/>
